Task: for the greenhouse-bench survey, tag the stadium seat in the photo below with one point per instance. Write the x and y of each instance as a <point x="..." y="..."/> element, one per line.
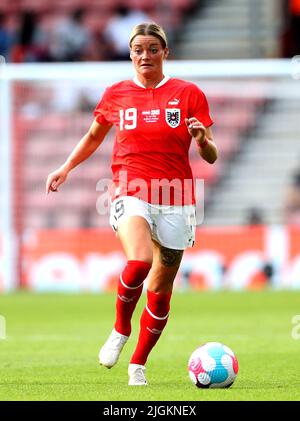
<point x="35" y="219"/>
<point x="227" y="142"/>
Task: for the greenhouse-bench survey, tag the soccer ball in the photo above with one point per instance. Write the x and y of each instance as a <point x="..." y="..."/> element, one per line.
<point x="213" y="365"/>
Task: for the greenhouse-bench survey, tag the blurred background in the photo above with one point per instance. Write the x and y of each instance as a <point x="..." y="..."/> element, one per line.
<point x="58" y="57"/>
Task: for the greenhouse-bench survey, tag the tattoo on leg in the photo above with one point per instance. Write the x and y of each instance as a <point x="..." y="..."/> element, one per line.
<point x="170" y="257"/>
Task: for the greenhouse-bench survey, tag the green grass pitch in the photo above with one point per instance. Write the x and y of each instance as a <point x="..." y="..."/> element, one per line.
<point x="52" y="344"/>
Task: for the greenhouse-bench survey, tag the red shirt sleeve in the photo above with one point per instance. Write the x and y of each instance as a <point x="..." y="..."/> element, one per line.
<point x="102" y="111"/>
<point x="198" y="106"/>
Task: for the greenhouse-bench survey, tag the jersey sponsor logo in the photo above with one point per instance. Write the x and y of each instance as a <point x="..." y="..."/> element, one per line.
<point x="151" y="116"/>
<point x="151" y="112"/>
<point x="174" y="101"/>
<point x="173" y="117"/>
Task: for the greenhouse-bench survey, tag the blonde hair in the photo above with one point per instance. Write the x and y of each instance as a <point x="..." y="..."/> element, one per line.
<point x="149" y="28"/>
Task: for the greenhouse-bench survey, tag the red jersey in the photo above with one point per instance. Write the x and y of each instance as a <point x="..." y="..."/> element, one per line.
<point x="152" y="142"/>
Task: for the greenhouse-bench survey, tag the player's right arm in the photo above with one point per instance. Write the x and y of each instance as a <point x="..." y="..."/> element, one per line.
<point x="85" y="148"/>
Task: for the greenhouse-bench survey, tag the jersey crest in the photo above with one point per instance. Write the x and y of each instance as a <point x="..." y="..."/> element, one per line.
<point x="173" y="117"/>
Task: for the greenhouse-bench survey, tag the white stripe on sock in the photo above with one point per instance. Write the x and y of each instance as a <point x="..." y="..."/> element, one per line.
<point x="126" y="286"/>
<point x="156" y="317"/>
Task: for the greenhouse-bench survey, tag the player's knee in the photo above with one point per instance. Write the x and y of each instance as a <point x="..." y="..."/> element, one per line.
<point x="140" y="253"/>
<point x="142" y="256"/>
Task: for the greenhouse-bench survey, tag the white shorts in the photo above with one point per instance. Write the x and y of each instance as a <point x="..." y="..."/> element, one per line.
<point x="171" y="226"/>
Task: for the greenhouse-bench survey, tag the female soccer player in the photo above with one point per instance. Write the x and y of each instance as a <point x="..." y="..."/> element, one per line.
<point x="153" y="203"/>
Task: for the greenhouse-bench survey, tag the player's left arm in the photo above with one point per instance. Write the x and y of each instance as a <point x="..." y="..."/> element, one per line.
<point x="204" y="138"/>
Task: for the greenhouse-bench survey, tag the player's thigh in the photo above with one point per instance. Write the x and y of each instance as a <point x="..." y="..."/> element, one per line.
<point x="165" y="266"/>
<point x="135" y="236"/>
<point x="130" y="219"/>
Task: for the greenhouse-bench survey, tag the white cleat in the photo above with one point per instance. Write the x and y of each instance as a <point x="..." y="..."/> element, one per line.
<point x="136" y="374"/>
<point x="111" y="350"/>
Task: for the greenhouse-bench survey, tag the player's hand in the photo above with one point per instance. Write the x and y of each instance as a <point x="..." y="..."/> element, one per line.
<point x="196" y="129"/>
<point x="55" y="179"/>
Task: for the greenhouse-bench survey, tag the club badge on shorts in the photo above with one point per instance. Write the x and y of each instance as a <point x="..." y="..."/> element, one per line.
<point x="173" y="117"/>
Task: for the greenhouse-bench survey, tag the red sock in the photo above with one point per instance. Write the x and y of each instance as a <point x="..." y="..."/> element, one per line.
<point x="153" y="321"/>
<point x="130" y="287"/>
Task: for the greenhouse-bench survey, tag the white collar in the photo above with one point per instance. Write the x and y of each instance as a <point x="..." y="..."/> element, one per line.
<point x="162" y="82"/>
